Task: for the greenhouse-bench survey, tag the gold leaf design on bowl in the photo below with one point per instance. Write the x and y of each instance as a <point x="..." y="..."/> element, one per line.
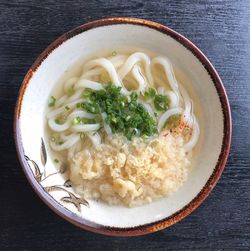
<point x="76" y="201"/>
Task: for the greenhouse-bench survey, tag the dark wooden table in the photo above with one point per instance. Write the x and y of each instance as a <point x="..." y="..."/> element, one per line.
<point x="221" y="29"/>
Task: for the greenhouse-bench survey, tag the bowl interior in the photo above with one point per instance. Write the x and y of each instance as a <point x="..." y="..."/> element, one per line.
<point x="55" y="68"/>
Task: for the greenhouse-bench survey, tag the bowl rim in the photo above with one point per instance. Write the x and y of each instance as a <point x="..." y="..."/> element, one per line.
<point x="213" y="179"/>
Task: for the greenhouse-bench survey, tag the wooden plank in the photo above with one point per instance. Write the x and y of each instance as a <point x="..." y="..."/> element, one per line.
<point x="221" y="29"/>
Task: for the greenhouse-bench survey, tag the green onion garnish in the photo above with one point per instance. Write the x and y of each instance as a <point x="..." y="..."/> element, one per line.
<point x="114" y="53"/>
<point x="67" y="108"/>
<point x="124" y="115"/>
<point x="52" y="101"/>
<point x="161" y="102"/>
<point x="87" y="92"/>
<point x="56" y="160"/>
<point x="58" y="121"/>
<point x="87" y="121"/>
<point x="76" y="121"/>
<point x="150" y="94"/>
<point x="91" y="107"/>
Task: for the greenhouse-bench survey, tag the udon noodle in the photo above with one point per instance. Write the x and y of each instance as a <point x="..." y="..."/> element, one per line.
<point x="126" y="129"/>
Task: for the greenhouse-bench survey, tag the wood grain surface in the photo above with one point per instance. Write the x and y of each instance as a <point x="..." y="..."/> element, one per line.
<point x="221" y="29"/>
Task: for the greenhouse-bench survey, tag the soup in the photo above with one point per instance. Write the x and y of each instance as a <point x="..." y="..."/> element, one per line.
<point x="126" y="129"/>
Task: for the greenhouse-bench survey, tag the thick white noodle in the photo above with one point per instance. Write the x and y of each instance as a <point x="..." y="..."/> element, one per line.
<point x="68" y="123"/>
<point x="85" y="83"/>
<point x="73" y="139"/>
<point x="61" y="110"/>
<point x="61" y="101"/>
<point x="139" y="78"/>
<point x="134" y="59"/>
<point x="94" y="72"/>
<point x="168" y="69"/>
<point x="95" y="138"/>
<point x="147" y="107"/>
<point x="69" y="83"/>
<point x="118" y="60"/>
<point x="136" y="71"/>
<point x="105" y="125"/>
<point x="109" y="67"/>
<point x="85" y="127"/>
<point x="194" y="137"/>
<point x="64" y="136"/>
<point x="56" y="127"/>
<point x="188" y="107"/>
<point x="165" y="116"/>
<point x="171" y="95"/>
<point x="173" y="98"/>
<point x="77" y="95"/>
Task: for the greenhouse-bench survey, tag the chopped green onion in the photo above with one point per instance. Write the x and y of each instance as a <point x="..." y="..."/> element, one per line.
<point x="56" y="160"/>
<point x="52" y="101"/>
<point x="60" y="142"/>
<point x="114" y="53"/>
<point x="76" y="121"/>
<point x="87" y="92"/>
<point x="150" y="94"/>
<point x="78" y="105"/>
<point x="87" y="121"/>
<point x="67" y="108"/>
<point x="161" y="102"/>
<point x="133" y="96"/>
<point x="91" y="107"/>
<point x="114" y="119"/>
<point x="58" y="121"/>
<point x="144" y="136"/>
<point x="128" y="118"/>
<point x="124" y="115"/>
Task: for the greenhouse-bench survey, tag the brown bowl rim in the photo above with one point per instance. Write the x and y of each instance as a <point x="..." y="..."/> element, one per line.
<point x="190" y="207"/>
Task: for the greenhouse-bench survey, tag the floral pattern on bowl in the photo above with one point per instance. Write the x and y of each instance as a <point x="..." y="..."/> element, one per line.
<point x="64" y="193"/>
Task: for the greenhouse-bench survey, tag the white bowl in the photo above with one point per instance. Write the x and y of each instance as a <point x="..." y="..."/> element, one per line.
<point x="196" y="73"/>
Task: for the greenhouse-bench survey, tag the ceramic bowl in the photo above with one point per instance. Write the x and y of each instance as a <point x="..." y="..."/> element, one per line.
<point x="196" y="73"/>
